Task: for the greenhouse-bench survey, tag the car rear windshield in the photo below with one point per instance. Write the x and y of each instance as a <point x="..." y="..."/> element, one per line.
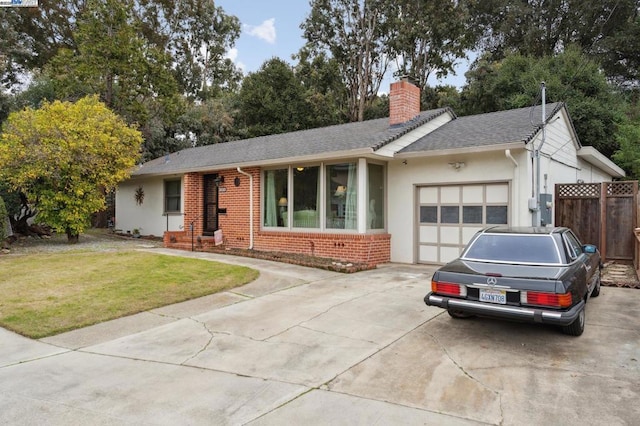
<point x="537" y="249"/>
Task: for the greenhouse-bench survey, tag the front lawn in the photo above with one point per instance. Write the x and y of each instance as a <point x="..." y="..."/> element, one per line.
<point x="46" y="294"/>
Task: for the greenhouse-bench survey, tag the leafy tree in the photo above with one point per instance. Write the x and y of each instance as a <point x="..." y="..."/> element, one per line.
<point x="628" y="156"/>
<point x="201" y="36"/>
<point x="428" y="36"/>
<point x="3" y="222"/>
<point x="131" y="76"/>
<point x="605" y="30"/>
<point x="620" y="54"/>
<point x="544" y="27"/>
<point x="209" y="122"/>
<point x="272" y="100"/>
<point x="63" y="157"/>
<point x="514" y="82"/>
<point x="440" y="97"/>
<point x="356" y="34"/>
<point x="325" y="93"/>
<point x="12" y="49"/>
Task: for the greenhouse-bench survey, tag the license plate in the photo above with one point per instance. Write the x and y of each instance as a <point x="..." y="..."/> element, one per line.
<point x="493" y="296"/>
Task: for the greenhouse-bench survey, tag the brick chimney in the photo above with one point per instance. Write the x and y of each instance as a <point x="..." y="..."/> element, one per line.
<point x="404" y="102"/>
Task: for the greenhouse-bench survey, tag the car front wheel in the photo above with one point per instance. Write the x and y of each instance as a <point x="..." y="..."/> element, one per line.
<point x="577" y="326"/>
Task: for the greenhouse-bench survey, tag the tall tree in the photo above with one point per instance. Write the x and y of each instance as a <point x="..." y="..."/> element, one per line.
<point x="201" y="35"/>
<point x="596" y="107"/>
<point x="429" y="36"/>
<point x="35" y="34"/>
<point x="619" y="53"/>
<point x="325" y="93"/>
<point x="545" y="27"/>
<point x="272" y="100"/>
<point x="131" y="76"/>
<point x="63" y="156"/>
<point x="356" y="34"/>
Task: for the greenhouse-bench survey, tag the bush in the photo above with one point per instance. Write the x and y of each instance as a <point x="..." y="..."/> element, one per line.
<point x="3" y="221"/>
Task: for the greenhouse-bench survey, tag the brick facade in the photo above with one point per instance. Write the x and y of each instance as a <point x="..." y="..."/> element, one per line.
<point x="370" y="249"/>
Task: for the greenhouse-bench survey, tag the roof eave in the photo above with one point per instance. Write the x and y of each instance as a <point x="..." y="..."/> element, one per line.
<point x="596" y="158"/>
<point x="329" y="156"/>
<point x="465" y="150"/>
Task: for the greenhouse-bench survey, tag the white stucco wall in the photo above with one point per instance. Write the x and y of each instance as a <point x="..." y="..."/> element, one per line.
<point x="149" y="216"/>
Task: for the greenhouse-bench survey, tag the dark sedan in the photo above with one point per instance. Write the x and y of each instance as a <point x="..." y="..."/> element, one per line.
<point x="541" y="275"/>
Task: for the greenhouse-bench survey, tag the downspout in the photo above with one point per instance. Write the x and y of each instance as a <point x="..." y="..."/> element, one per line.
<point x="516" y="184"/>
<point x="250" y="206"/>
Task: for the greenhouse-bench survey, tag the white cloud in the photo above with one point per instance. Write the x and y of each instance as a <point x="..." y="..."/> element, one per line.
<point x="265" y="31"/>
<point x="233" y="55"/>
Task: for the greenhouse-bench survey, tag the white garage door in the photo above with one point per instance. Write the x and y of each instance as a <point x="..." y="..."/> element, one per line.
<point x="449" y="216"/>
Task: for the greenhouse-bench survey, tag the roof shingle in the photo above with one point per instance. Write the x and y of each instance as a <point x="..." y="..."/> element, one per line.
<point x="516" y="125"/>
<point x="371" y="134"/>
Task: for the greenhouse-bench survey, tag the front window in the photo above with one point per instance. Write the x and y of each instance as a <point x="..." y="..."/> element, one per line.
<point x="342" y="196"/>
<point x="172" y="196"/>
<point x="306" y="197"/>
<point x="276" y="202"/>
<point x="375" y="198"/>
<point x="327" y="197"/>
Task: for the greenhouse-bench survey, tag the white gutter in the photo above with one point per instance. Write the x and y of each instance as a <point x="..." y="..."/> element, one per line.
<point x="250" y="206"/>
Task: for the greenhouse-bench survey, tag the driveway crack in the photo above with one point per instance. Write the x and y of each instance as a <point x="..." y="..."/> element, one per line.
<point x="206" y="345"/>
<point x="469" y="375"/>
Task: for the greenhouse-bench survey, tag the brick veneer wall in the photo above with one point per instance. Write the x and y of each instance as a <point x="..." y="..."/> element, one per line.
<point x="193" y="201"/>
<point x="371" y="249"/>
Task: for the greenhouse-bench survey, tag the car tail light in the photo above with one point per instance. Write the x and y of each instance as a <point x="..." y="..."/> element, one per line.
<point x="449" y="289"/>
<point x="563" y="300"/>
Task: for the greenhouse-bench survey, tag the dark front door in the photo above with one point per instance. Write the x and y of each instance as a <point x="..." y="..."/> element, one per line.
<point x="210" y="205"/>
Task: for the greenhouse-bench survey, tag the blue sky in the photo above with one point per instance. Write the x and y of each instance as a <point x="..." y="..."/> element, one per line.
<point x="272" y="28"/>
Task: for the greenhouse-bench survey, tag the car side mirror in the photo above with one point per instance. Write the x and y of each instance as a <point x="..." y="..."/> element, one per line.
<point x="589" y="248"/>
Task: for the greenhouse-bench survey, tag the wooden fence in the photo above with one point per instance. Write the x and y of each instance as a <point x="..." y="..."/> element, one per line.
<point x="604" y="214"/>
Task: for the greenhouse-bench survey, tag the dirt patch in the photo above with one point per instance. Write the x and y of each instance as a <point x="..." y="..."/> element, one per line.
<point x="296" y="259"/>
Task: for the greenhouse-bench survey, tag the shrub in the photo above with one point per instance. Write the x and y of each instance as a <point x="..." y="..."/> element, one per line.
<point x="3" y="221"/>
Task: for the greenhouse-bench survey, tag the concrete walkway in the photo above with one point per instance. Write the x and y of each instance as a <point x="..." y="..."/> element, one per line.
<point x="305" y="346"/>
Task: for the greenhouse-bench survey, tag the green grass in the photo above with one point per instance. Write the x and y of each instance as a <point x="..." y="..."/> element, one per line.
<point x="46" y="294"/>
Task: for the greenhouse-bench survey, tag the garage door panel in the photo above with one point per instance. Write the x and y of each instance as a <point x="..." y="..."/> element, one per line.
<point x="429" y="254"/>
<point x="497" y="194"/>
<point x="428" y="195"/>
<point x="429" y="234"/>
<point x="473" y="194"/>
<point x="450" y="195"/>
<point x="449" y="235"/>
<point x="468" y="232"/>
<point x="447" y="254"/>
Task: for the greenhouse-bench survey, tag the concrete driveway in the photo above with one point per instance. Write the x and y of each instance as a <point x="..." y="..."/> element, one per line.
<point x="304" y="346"/>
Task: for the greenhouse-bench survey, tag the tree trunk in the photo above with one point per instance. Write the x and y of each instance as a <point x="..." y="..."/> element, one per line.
<point x="72" y="237"/>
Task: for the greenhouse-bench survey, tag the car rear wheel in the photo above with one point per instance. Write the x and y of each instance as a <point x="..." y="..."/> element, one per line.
<point x="576" y="327"/>
<point x="458" y="314"/>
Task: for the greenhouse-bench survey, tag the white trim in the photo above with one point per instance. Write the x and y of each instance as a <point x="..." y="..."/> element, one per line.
<point x="465" y="150"/>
